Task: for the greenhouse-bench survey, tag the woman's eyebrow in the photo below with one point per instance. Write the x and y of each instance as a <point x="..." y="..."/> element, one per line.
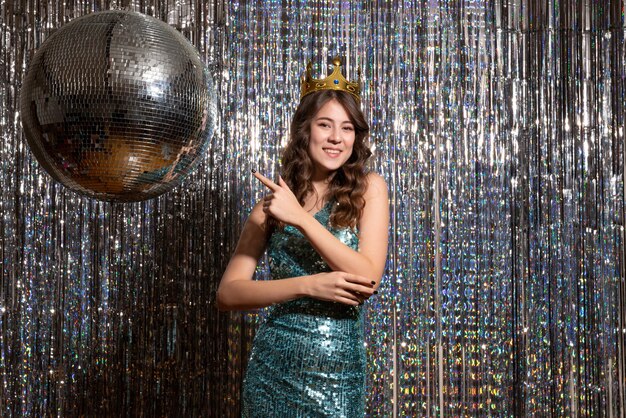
<point x="333" y="120"/>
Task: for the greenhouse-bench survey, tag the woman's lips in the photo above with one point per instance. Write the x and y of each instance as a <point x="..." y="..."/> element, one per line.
<point x="333" y="153"/>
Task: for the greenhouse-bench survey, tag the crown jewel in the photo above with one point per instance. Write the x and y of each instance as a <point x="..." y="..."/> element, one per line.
<point x="334" y="81"/>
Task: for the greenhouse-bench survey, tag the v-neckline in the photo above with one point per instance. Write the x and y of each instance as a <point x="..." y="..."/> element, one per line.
<point x="321" y="209"/>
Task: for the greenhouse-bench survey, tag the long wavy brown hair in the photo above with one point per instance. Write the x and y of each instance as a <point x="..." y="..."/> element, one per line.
<point x="349" y="182"/>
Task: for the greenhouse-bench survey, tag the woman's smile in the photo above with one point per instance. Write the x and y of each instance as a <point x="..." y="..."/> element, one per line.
<point x="332" y="152"/>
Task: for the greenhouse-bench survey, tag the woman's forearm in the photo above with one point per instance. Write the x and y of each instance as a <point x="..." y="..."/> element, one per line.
<point x="335" y="253"/>
<point x="254" y="294"/>
<point x="334" y="286"/>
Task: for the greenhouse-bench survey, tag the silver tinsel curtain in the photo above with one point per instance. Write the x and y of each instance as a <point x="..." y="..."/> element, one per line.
<point x="499" y="126"/>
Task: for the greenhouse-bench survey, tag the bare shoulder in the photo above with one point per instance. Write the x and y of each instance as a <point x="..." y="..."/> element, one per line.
<point x="376" y="187"/>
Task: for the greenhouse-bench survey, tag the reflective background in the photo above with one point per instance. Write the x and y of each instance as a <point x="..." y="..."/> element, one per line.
<point x="499" y="126"/>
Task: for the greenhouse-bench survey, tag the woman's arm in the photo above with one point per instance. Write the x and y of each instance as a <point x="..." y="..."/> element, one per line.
<point x="369" y="260"/>
<point x="237" y="290"/>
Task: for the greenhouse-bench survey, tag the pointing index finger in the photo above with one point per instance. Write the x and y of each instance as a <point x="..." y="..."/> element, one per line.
<point x="266" y="182"/>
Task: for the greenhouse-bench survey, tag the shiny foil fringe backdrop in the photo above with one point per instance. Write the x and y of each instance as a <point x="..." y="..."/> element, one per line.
<point x="499" y="126"/>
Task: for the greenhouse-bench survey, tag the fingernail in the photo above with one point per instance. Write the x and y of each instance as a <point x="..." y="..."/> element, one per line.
<point x="373" y="282"/>
<point x="253" y="170"/>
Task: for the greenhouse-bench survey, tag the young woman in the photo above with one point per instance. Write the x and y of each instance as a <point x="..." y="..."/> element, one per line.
<point x="324" y="226"/>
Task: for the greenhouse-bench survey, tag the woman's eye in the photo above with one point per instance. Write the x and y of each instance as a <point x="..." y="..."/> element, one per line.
<point x="348" y="128"/>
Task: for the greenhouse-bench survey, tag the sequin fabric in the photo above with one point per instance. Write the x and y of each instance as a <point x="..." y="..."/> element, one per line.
<point x="308" y="358"/>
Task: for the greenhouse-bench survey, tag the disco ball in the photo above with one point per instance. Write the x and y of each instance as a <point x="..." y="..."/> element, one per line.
<point x="118" y="106"/>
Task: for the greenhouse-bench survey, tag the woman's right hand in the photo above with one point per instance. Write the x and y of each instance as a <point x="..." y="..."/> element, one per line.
<point x="338" y="286"/>
<point x="281" y="203"/>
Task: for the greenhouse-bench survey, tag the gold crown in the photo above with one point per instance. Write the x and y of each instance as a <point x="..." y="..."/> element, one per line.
<point x="334" y="81"/>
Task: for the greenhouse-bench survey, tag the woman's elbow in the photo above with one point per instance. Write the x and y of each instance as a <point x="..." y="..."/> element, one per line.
<point x="223" y="301"/>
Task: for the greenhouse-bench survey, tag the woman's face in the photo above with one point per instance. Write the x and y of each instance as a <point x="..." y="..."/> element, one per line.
<point x="331" y="139"/>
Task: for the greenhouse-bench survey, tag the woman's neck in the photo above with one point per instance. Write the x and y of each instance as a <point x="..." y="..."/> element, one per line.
<point x="320" y="187"/>
<point x="316" y="200"/>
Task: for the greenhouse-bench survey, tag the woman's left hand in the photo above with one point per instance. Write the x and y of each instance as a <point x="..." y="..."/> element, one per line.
<point x="281" y="203"/>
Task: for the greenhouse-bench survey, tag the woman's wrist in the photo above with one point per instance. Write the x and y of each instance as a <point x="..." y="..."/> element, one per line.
<point x="304" y="221"/>
<point x="302" y="287"/>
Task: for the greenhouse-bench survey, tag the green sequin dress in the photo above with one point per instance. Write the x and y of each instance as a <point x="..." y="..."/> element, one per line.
<point x="308" y="358"/>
